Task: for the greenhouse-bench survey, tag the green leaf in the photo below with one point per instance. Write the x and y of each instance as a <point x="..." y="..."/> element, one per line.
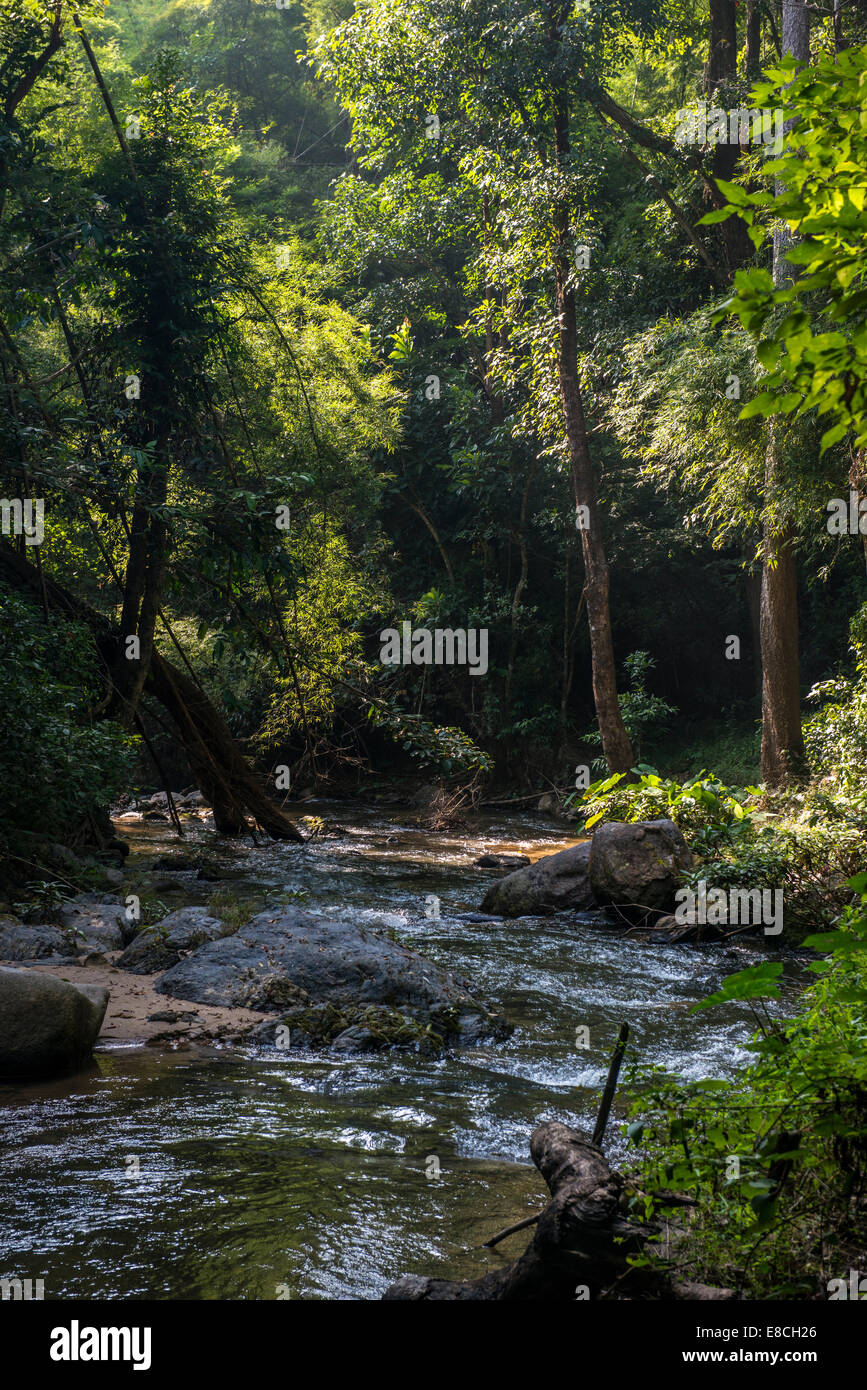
<point x="832" y="436"/>
<point x="763" y="404"/>
<point x="756" y="982"/>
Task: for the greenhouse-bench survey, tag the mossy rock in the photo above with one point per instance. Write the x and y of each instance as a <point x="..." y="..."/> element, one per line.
<point x="366" y="1028"/>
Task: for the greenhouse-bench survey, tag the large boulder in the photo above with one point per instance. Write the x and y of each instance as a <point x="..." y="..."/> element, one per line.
<point x="291" y="962"/>
<point x="20" y="941"/>
<point x="97" y="923"/>
<point x="551" y="884"/>
<point x="159" y="947"/>
<point x="47" y="1027"/>
<point x="636" y="866"/>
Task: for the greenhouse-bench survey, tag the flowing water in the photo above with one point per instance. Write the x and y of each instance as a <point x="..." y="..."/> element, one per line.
<point x="262" y="1175"/>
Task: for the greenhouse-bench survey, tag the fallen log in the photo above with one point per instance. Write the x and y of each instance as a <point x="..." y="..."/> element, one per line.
<point x="598" y="1129"/>
<point x="224" y="777"/>
<point x="582" y="1237"/>
<point x="581" y="1245"/>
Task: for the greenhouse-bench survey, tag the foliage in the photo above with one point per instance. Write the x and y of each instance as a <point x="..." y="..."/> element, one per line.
<point x="643" y="713"/>
<point x="449" y="749"/>
<point x="836" y="736"/>
<point x="707" y="812"/>
<point x="57" y="764"/>
<point x="808" y="863"/>
<point x="813" y="342"/>
<point x="777" y="1157"/>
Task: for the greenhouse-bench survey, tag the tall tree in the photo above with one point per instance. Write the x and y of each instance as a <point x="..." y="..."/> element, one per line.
<point x="721" y="74"/>
<point x="753" y="45"/>
<point x="782" y="735"/>
<point x="616" y="744"/>
<point x="506" y="113"/>
<point x="723" y="45"/>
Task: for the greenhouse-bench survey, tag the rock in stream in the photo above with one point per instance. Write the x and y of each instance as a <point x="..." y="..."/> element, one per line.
<point x="47" y="1027"/>
<point x="326" y="978"/>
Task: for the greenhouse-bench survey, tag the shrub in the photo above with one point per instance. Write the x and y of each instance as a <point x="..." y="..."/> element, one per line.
<point x="776" y="1159"/>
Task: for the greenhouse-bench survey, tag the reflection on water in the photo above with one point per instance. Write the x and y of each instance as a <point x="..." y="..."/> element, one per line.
<point x="266" y="1175"/>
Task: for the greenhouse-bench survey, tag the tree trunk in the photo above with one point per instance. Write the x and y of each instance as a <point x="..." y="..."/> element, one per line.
<point x="220" y="769"/>
<point x="143" y="587"/>
<point x="722" y="72"/>
<point x="782" y="735"/>
<point x="616" y="745"/>
<point x="723" y="46"/>
<point x="223" y="774"/>
<point x="753" y="54"/>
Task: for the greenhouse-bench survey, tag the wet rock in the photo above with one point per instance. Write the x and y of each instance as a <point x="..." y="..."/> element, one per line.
<point x="176" y="864"/>
<point x="162" y="883"/>
<point x="425" y="794"/>
<point x="348" y="1028"/>
<point x="47" y="1026"/>
<point x="552" y="884"/>
<point x="159" y="947"/>
<point x="97" y="923"/>
<point x="668" y="929"/>
<point x="357" y="1039"/>
<point x="190" y="927"/>
<point x="215" y="873"/>
<point x="281" y="961"/>
<point x="637" y="866"/>
<point x="20" y="942"/>
<point x="176" y="1041"/>
<point x="501" y="861"/>
<point x="148" y="955"/>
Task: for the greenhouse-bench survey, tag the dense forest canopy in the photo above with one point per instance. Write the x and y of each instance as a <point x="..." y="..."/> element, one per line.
<point x="436" y="280"/>
<point x="317" y="320"/>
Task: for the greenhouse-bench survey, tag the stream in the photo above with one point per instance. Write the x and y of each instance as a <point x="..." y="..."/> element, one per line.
<point x="242" y="1174"/>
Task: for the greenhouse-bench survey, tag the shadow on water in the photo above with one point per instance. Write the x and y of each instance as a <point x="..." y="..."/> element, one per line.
<point x="263" y="1175"/>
